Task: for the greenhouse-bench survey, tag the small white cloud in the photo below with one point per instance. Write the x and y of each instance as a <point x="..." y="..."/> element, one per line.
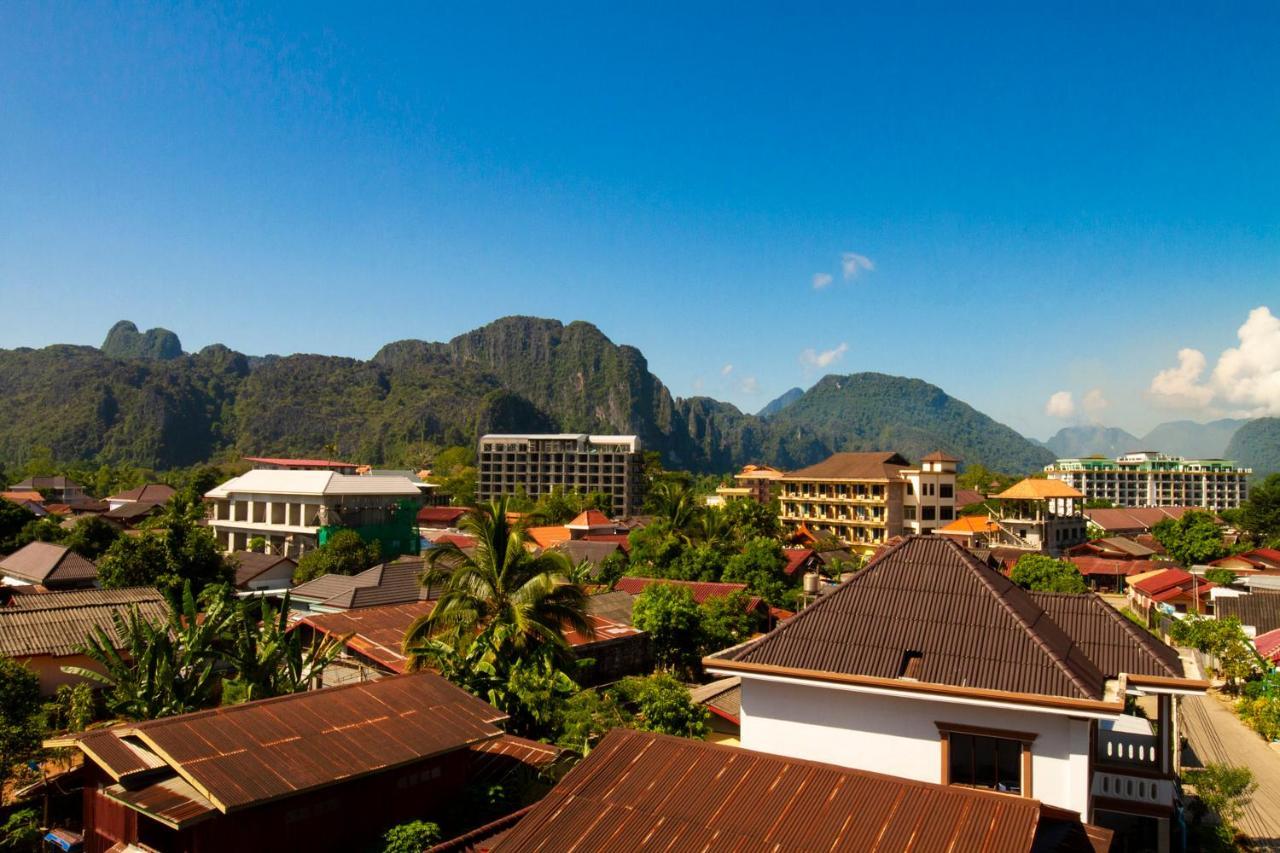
<point x="726" y="370"/>
<point x="812" y="358"/>
<point x="821" y="280"/>
<point x="698" y="385"/>
<point x="1094" y="402"/>
<point x="1245" y="382"/>
<point x="1060" y="405"/>
<point x="852" y="264"/>
<point x="749" y="385"/>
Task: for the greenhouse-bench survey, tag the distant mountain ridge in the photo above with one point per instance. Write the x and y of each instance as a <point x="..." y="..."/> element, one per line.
<point x="786" y="398"/>
<point x="150" y="404"/>
<point x="1179" y="438"/>
<point x="1256" y="445"/>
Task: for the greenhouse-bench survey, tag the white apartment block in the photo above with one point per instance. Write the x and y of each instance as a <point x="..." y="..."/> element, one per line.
<point x="571" y="462"/>
<point x="930" y="498"/>
<point x="1148" y="478"/>
<point x="288" y="508"/>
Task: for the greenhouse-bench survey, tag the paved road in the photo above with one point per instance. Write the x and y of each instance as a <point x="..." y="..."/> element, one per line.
<point x="1214" y="733"/>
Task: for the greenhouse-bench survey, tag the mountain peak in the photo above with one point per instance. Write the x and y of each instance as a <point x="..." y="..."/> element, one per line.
<point x="125" y="341"/>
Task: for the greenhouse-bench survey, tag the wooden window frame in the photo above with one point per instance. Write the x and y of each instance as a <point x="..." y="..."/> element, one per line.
<point x="945" y="730"/>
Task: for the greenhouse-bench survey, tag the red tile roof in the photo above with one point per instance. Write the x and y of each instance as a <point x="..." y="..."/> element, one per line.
<point x="1268" y="645"/>
<point x="701" y="590"/>
<point x="447" y="515"/>
<point x="1259" y="559"/>
<point x="797" y="557"/>
<point x="1134" y="518"/>
<point x="590" y="518"/>
<point x="1170" y="583"/>
<point x="643" y="790"/>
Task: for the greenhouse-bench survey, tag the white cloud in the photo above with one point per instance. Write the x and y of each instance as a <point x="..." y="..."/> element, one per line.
<point x="821" y="280"/>
<point x="812" y="358"/>
<point x="1245" y="382"/>
<point x="852" y="264"/>
<point x="698" y="385"/>
<point x="1093" y="402"/>
<point x="749" y="385"/>
<point x="1060" y="405"/>
<point x="726" y="370"/>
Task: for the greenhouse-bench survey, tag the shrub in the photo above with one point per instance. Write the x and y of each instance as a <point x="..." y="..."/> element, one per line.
<point x="411" y="837"/>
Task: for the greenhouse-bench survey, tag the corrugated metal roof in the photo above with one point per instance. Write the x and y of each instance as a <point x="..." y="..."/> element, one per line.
<point x="1259" y="609"/>
<point x="243" y="755"/>
<point x="496" y="759"/>
<point x="46" y="563"/>
<point x="377" y="632"/>
<point x="615" y="606"/>
<point x="971" y="626"/>
<point x="58" y="623"/>
<point x="644" y="791"/>
<point x="701" y="590"/>
<point x="172" y="801"/>
<point x="1112" y="642"/>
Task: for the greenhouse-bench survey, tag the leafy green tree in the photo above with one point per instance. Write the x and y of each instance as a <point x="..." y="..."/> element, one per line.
<point x="761" y="566"/>
<point x="175" y="550"/>
<point x="73" y="708"/>
<point x="455" y="468"/>
<point x="674" y="502"/>
<point x="613" y="567"/>
<point x="1222" y="577"/>
<point x="588" y="716"/>
<point x="1045" y="574"/>
<point x="21" y="831"/>
<point x="269" y="659"/>
<point x="346" y="553"/>
<point x="1098" y="503"/>
<point x="702" y="562"/>
<point x="750" y="520"/>
<point x="47" y="529"/>
<point x="674" y="624"/>
<point x="91" y="536"/>
<point x="412" y="837"/>
<point x="160" y="669"/>
<point x="1193" y="539"/>
<point x="1224" y="790"/>
<point x="655" y="548"/>
<point x="726" y="622"/>
<point x="13" y="518"/>
<point x="1260" y="514"/>
<point x="662" y="704"/>
<point x="20" y="708"/>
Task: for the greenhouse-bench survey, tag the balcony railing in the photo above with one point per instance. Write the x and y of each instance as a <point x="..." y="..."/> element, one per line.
<point x="1128" y="749"/>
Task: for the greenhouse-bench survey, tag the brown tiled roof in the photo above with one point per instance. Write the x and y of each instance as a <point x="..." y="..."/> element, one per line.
<point x="1110" y="640"/>
<point x="592" y="553"/>
<point x="970" y="625"/>
<point x="47" y="563"/>
<point x="448" y="515"/>
<point x="680" y="794"/>
<point x="853" y="466"/>
<point x="1134" y="518"/>
<point x="241" y="755"/>
<point x="154" y="492"/>
<point x="968" y="497"/>
<point x="58" y="623"/>
<point x="1259" y="609"/>
<point x="36" y="483"/>
<point x="133" y="512"/>
<point x="250" y="564"/>
<point x="939" y="456"/>
<point x="386" y="583"/>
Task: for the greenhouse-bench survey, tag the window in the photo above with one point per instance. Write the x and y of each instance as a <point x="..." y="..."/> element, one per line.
<point x="946" y="490"/>
<point x="986" y="758"/>
<point x="946" y="513"/>
<point x="928" y="513"/>
<point x="911" y="489"/>
<point x="909" y="512"/>
<point x="928" y="489"/>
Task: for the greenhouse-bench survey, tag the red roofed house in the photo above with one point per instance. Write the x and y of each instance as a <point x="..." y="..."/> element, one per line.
<point x="1173" y="588"/>
<point x="932" y="666"/>
<point x="327" y="769"/>
<point x="1268" y="645"/>
<point x="1104" y="573"/>
<point x="1257" y="560"/>
<point x="441" y="517"/>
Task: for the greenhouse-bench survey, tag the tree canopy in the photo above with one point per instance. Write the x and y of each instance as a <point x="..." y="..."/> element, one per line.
<point x="1193" y="539"/>
<point x="1045" y="574"/>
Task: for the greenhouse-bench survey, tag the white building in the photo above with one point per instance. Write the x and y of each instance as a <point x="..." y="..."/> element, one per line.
<point x="288" y="508"/>
<point x="930" y="498"/>
<point x="1149" y="478"/>
<point x="930" y="665"/>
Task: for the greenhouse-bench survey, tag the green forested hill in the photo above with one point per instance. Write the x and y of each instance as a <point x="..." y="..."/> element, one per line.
<point x="159" y="409"/>
<point x="1256" y="445"/>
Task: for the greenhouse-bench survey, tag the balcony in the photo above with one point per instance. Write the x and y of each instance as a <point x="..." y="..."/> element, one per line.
<point x="1129" y="749"/>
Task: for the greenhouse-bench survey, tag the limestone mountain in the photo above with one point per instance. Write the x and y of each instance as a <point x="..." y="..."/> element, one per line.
<point x="780" y="402"/>
<point x="1256" y="445"/>
<point x="127" y="403"/>
<point x="1076" y="441"/>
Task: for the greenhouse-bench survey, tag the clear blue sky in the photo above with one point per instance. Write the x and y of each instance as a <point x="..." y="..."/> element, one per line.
<point x="1050" y="201"/>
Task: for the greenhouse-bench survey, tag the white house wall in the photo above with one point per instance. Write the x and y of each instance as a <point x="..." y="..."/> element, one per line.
<point x="899" y="736"/>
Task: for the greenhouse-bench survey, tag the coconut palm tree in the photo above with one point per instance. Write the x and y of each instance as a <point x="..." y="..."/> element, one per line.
<point x="521" y="601"/>
<point x="675" y="502"/>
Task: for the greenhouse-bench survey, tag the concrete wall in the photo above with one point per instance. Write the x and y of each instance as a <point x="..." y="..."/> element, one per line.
<point x="898" y="736"/>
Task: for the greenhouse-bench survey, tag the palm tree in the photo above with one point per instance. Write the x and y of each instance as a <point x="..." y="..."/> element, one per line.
<point x="519" y="600"/>
<point x="675" y="502"/>
<point x="269" y="659"/>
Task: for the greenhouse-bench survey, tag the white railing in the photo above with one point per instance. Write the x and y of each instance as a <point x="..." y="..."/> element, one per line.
<point x="1135" y="788"/>
<point x="1125" y="748"/>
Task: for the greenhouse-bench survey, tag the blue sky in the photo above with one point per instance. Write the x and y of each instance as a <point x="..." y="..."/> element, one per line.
<point x="1045" y="201"/>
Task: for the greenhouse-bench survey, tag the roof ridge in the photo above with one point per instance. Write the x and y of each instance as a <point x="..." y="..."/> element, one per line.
<point x="1143" y="638"/>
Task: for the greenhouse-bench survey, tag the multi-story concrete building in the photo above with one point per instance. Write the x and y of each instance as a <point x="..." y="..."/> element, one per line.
<point x="1040" y="516"/>
<point x="1149" y="478"/>
<point x="864" y="499"/>
<point x="572" y="462"/>
<point x="295" y="511"/>
<point x="930" y="498"/>
<point x="760" y="481"/>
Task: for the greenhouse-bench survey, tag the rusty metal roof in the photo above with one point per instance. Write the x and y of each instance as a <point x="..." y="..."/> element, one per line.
<point x="377" y="633"/>
<point x="244" y="755"/>
<point x="638" y="790"/>
<point x="122" y="757"/>
<point x="494" y="760"/>
<point x="58" y="623"/>
<point x="173" y="801"/>
<point x="47" y="563"/>
<point x="970" y="626"/>
<point x="1110" y="640"/>
<point x="701" y="590"/>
